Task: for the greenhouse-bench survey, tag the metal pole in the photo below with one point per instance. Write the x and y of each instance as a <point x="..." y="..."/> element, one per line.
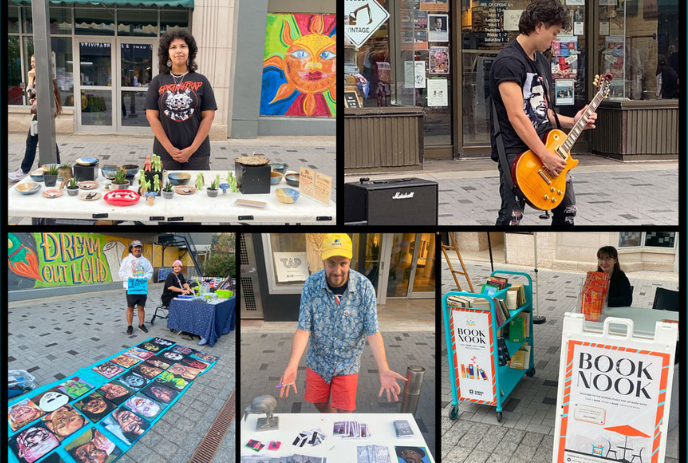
<point x="537" y="319"/>
<point x="489" y="246"/>
<point x="414" y="377"/>
<point x="44" y="82"/>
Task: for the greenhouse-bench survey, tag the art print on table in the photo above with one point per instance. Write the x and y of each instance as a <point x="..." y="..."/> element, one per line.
<point x="134" y="380"/>
<point x="159" y="362"/>
<point x="32" y="443"/>
<point x="126" y="425"/>
<point x="205" y="357"/>
<point x="107" y="369"/>
<point x="116" y="392"/>
<point x="147" y="371"/>
<point x="75" y="387"/>
<point x="193" y="363"/>
<point x="92" y="446"/>
<point x="183" y="350"/>
<point x="149" y="346"/>
<point x="184" y="371"/>
<point x="161" y="394"/>
<point x="95" y="406"/>
<point x="141" y="354"/>
<point x="64" y="421"/>
<point x="412" y="454"/>
<point x="23" y="413"/>
<point x="173" y="381"/>
<point x="124" y="361"/>
<point x="174" y="356"/>
<point x="144" y="406"/>
<point x="51" y="400"/>
<point x="162" y="342"/>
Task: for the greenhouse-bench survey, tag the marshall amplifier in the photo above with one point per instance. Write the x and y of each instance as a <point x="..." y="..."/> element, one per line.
<point x="404" y="201"/>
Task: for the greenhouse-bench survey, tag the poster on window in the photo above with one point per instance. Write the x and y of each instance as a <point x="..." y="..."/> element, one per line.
<point x="564" y="92"/>
<point x="438" y="92"/>
<point x="473" y="362"/>
<point x="438" y="27"/>
<point x="291" y="266"/>
<point x="439" y="60"/>
<point x="614" y="393"/>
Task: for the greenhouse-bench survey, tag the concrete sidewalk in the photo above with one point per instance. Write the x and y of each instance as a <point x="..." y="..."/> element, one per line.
<point x="608" y="192"/>
<point x="526" y="433"/>
<point x="54" y="337"/>
<point x="265" y="350"/>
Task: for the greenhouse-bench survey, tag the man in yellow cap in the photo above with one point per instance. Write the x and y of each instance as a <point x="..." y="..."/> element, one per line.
<point x="337" y="309"/>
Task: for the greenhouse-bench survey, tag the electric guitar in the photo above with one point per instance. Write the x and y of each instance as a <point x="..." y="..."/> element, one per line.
<point x="541" y="188"/>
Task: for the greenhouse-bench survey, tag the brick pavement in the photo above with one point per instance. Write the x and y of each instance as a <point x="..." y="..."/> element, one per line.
<point x="264" y="357"/>
<point x="54" y="337"/>
<point x="526" y="432"/>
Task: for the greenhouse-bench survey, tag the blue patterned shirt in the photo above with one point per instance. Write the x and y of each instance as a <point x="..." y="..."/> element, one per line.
<point x="337" y="330"/>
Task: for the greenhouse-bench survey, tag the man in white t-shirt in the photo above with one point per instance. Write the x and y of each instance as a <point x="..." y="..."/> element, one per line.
<point x="135" y="266"/>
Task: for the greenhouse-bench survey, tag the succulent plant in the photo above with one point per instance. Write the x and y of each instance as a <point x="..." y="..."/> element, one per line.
<point x="53" y="170"/>
<point x="120" y="176"/>
<point x="72" y="183"/>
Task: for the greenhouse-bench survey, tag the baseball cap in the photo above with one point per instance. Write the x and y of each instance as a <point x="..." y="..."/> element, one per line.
<point x="418" y="450"/>
<point x="336" y="244"/>
<point x="135" y="243"/>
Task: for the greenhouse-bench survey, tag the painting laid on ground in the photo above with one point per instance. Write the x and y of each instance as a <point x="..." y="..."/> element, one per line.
<point x="299" y="66"/>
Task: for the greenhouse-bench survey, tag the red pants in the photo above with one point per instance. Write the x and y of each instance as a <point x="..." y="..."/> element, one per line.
<point x="343" y="389"/>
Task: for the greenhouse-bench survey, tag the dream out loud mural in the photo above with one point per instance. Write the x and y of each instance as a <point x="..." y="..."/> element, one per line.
<point x="40" y="260"/>
<point x="299" y="66"/>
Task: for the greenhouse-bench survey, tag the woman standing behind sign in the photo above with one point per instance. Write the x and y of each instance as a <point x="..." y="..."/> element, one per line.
<point x="180" y="105"/>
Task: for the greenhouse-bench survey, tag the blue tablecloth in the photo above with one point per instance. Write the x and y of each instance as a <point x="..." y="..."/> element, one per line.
<point x="201" y="318"/>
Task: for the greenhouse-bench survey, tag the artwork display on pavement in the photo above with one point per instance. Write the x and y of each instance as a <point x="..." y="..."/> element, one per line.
<point x="184" y="371"/>
<point x="125" y="361"/>
<point x="158" y="362"/>
<point x="206" y="357"/>
<point x="183" y="350"/>
<point x="141" y="354"/>
<point x="75" y="387"/>
<point x="174" y="356"/>
<point x="149" y="346"/>
<point x="116" y="392"/>
<point x="147" y="371"/>
<point x="103" y="425"/>
<point x="162" y="342"/>
<point x="95" y="406"/>
<point x="64" y="421"/>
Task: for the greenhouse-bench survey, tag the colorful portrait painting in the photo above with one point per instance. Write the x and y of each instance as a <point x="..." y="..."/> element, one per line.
<point x="95" y="406"/>
<point x="23" y="413"/>
<point x="32" y="443"/>
<point x="174" y="356"/>
<point x="162" y="342"/>
<point x="92" y="446"/>
<point x="147" y="371"/>
<point x="173" y="381"/>
<point x="159" y="393"/>
<point x="184" y="371"/>
<point x="183" y="350"/>
<point x="193" y="363"/>
<point x="144" y="406"/>
<point x="133" y="380"/>
<point x="125" y="361"/>
<point x="107" y="369"/>
<point x="51" y="400"/>
<point x="75" y="387"/>
<point x="149" y="346"/>
<point x="205" y="357"/>
<point x="116" y="392"/>
<point x="124" y="424"/>
<point x="299" y="66"/>
<point x="159" y="362"/>
<point x="141" y="354"/>
<point x="64" y="421"/>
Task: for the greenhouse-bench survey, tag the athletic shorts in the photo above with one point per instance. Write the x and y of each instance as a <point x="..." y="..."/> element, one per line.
<point x="136" y="299"/>
<point x="343" y="389"/>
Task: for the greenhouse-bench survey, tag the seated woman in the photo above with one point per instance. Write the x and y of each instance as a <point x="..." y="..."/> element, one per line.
<point x="175" y="284"/>
<point x="620" y="292"/>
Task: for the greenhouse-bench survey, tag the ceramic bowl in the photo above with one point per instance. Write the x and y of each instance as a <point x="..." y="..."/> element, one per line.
<point x="287" y="195"/>
<point x="28" y="188"/>
<point x="279" y="167"/>
<point x="37" y="175"/>
<point x="292" y="179"/>
<point x="132" y="169"/>
<point x="275" y="177"/>
<point x="109" y="172"/>
<point x="87" y="161"/>
<point x="178" y="178"/>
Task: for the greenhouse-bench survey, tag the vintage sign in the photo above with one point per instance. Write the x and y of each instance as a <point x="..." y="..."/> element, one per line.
<point x="291" y="266"/>
<point x="362" y="18"/>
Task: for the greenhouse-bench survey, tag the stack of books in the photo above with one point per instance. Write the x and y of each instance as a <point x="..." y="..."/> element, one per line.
<point x="594" y="295"/>
<point x="481" y="303"/>
<point x="519" y="327"/>
<point x="521" y="358"/>
<point x="493" y="285"/>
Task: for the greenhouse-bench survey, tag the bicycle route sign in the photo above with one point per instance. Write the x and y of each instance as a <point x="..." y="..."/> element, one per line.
<point x="361" y="19"/>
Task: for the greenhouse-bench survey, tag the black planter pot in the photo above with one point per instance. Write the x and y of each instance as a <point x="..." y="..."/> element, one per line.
<point x="50" y="180"/>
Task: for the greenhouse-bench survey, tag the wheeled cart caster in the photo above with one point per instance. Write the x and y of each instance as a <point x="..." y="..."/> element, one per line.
<point x="454" y="412"/>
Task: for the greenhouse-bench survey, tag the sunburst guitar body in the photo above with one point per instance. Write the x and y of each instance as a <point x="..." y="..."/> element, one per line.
<point x="541" y="188"/>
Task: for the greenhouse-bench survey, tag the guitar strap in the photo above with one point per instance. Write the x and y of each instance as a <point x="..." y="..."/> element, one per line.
<point x="506" y="168"/>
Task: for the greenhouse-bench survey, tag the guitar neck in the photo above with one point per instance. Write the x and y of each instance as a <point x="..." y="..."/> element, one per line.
<point x="580" y="125"/>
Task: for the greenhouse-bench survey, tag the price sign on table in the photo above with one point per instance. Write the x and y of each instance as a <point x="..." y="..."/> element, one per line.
<point x="137" y="286"/>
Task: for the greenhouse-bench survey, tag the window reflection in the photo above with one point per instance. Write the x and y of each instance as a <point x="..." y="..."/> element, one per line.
<point x="142" y="23"/>
<point x="137" y="61"/>
<point x="15" y="94"/>
<point x="95" y="63"/>
<point x="94" y="21"/>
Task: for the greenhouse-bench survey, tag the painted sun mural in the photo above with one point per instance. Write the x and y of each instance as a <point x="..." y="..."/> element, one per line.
<point x="299" y="66"/>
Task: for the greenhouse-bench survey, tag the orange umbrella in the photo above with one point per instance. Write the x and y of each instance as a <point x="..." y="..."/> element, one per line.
<point x="626" y="430"/>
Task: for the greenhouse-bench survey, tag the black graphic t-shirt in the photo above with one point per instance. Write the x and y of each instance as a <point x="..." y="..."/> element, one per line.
<point x="180" y="109"/>
<point x="513" y="65"/>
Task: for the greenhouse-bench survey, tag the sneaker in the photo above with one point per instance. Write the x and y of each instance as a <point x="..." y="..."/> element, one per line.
<point x="143" y="328"/>
<point x="130" y="330"/>
<point x="202" y="342"/>
<point x="17" y="175"/>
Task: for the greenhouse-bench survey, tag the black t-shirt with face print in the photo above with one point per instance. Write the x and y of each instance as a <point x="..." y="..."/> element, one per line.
<point x="180" y="109"/>
<point x="513" y="65"/>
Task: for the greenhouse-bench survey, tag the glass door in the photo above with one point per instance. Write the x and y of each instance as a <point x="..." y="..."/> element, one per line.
<point x="423" y="273"/>
<point x="136" y="68"/>
<point x="93" y="68"/>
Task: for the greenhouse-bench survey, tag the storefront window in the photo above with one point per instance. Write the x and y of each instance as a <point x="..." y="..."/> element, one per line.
<point x="639" y="46"/>
<point x="647" y="239"/>
<point x="15" y="94"/>
<point x="137" y="64"/>
<point x="424" y="279"/>
<point x="62" y="47"/>
<point x="173" y="19"/>
<point x="60" y="20"/>
<point x="27" y="20"/>
<point x="12" y="19"/>
<point x="141" y="23"/>
<point x="292" y="257"/>
<point x="366" y="256"/>
<point x="94" y="21"/>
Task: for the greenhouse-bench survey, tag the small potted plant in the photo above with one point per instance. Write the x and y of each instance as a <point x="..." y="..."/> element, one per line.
<point x="50" y="177"/>
<point x="120" y="181"/>
<point x="65" y="171"/>
<point x="167" y="191"/>
<point x="213" y="188"/>
<point x="72" y="187"/>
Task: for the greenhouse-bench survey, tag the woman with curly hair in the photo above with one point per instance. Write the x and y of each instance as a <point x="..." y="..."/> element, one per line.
<point x="180" y="105"/>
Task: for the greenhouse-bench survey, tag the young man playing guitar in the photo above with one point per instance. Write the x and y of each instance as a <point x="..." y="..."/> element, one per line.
<point x="519" y="83"/>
